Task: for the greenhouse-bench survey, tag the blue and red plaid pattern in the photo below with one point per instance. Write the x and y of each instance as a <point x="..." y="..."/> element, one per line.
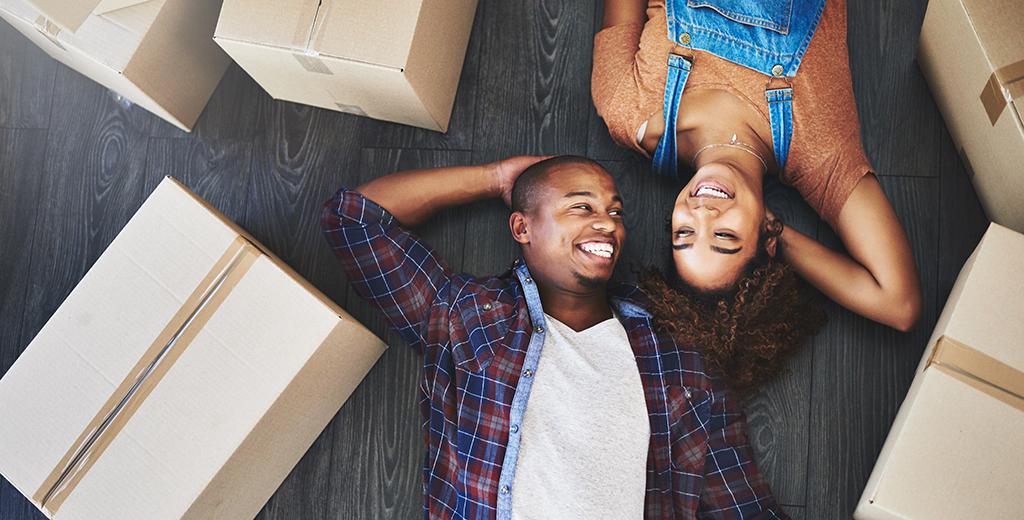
<point x="473" y="334"/>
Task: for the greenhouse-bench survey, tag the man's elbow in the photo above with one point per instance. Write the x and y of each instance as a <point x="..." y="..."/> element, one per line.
<point x="329" y="215"/>
<point x="906" y="312"/>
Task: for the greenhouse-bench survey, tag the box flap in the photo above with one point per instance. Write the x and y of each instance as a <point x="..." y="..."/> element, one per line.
<point x="278" y="24"/>
<point x="380" y="33"/>
<point x="377" y="33"/>
<point x="70" y="14"/>
<point x="986" y="312"/>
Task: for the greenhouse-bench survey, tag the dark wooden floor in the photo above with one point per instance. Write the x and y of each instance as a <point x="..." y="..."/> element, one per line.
<point x="76" y="163"/>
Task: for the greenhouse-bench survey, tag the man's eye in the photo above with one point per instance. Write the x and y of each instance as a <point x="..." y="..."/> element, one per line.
<point x="582" y="206"/>
<point x="616" y="212"/>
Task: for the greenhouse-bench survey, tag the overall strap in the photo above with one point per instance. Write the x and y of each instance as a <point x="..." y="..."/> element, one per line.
<point x="780" y="112"/>
<point x="666" y="159"/>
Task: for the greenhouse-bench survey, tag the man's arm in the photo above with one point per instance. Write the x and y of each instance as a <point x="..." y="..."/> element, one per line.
<point x="388" y="266"/>
<point x="733" y="486"/>
<point x="413" y="196"/>
<point x="878" y="279"/>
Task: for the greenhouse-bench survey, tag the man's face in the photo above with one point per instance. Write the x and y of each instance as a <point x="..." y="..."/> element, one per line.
<point x="572" y="234"/>
<point x="715" y="227"/>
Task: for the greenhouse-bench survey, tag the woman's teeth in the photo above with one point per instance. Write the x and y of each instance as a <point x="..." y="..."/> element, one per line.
<point x="708" y="191"/>
<point x="604" y="250"/>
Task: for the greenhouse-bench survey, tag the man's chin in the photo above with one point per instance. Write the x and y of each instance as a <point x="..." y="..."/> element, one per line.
<point x="591" y="282"/>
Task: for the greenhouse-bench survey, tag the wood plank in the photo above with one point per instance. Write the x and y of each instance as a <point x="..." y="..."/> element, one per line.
<point x="26" y="81"/>
<point x="862" y="370"/>
<point x="382" y="134"/>
<point x="21" y="168"/>
<point x="93" y="181"/>
<point x="795" y="512"/>
<point x="778" y="414"/>
<point x="533" y="92"/>
<point x="218" y="171"/>
<point x="962" y="221"/>
<point x="900" y="128"/>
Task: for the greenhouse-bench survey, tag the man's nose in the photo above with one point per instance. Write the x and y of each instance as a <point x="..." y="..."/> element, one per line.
<point x="604" y="223"/>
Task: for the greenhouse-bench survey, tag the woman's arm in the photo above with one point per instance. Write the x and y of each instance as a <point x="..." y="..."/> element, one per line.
<point x="618" y="12"/>
<point x="878" y="279"/>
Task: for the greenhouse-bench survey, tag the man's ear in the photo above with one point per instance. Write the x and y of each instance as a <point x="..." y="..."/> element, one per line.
<point x="517" y="224"/>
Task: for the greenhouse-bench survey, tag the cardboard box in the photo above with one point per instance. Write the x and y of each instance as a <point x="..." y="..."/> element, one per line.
<point x="183" y="377"/>
<point x="159" y="54"/>
<point x="956" y="447"/>
<point x="972" y="53"/>
<point x="396" y="60"/>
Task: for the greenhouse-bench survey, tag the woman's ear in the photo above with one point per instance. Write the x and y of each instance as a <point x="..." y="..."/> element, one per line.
<point x="773" y="227"/>
<point x="517" y="224"/>
<point x="771" y="245"/>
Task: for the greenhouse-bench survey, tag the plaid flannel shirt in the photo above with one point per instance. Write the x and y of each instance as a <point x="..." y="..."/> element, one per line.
<point x="477" y="340"/>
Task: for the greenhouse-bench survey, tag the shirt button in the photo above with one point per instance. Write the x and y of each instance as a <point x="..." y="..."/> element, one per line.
<point x="684" y="38"/>
<point x="504" y="489"/>
<point x="528" y="280"/>
<point x="515" y="428"/>
<point x="539" y="329"/>
<point x="777" y="71"/>
<point x="687" y="393"/>
<point x="487" y="307"/>
<point x="527" y="373"/>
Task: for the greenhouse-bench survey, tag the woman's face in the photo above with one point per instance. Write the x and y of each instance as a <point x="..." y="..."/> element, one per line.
<point x="716" y="224"/>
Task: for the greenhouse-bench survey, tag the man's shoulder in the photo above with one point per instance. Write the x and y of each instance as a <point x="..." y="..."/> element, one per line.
<point x="629" y="299"/>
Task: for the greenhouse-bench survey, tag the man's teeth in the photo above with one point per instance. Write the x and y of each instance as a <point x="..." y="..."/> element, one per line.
<point x="711" y="192"/>
<point x="598" y="248"/>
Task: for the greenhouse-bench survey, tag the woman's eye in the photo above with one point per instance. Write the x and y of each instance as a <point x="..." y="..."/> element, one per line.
<point x="582" y="206"/>
<point x="683" y="233"/>
<point x="616" y="212"/>
<point x="729" y="236"/>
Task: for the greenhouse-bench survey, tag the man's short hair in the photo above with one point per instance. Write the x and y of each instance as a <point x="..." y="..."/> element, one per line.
<point x="527" y="185"/>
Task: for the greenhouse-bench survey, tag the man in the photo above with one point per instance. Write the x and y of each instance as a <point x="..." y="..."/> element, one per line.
<point x="546" y="393"/>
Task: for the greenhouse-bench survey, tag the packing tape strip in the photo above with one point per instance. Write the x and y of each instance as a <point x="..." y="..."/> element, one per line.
<point x="154" y="364"/>
<point x="1003" y="86"/>
<point x="979" y="370"/>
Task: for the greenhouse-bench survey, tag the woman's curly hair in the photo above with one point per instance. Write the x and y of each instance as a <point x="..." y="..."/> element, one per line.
<point x="744" y="333"/>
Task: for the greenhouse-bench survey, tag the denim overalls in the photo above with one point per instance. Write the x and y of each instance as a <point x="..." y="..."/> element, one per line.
<point x="769" y="36"/>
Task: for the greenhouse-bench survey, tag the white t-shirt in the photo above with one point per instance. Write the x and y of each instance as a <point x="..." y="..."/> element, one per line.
<point x="585" y="432"/>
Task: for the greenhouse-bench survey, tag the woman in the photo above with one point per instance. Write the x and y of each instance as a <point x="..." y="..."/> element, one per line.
<point x="729" y="91"/>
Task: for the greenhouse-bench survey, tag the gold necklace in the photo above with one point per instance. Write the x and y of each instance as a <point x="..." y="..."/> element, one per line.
<point x="733" y="143"/>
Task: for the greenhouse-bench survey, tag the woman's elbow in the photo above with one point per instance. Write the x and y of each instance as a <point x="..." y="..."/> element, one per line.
<point x="905" y="312"/>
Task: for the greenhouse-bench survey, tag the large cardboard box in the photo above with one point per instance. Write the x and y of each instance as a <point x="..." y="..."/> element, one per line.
<point x="957" y="445"/>
<point x="396" y="60"/>
<point x="183" y="377"/>
<point x="158" y="54"/>
<point x="972" y="53"/>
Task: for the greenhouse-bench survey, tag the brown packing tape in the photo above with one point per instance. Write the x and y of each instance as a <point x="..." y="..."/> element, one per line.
<point x="1004" y="84"/>
<point x="154" y="364"/>
<point x="979" y="370"/>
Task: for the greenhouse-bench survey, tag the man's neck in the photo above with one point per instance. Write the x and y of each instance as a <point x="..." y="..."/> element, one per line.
<point x="578" y="310"/>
